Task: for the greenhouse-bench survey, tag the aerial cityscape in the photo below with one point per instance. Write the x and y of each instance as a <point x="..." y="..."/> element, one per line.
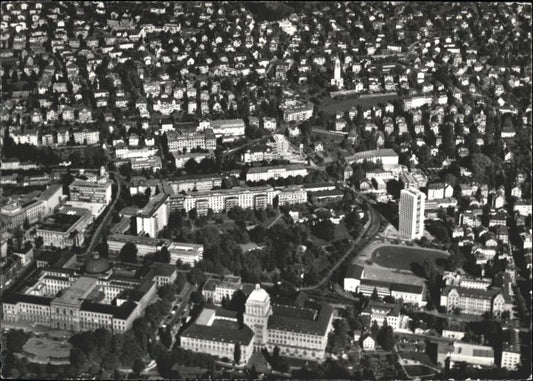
<point x="266" y="190"/>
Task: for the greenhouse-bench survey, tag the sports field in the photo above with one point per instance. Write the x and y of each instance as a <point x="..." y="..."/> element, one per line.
<point x="402" y="257"/>
<point x="331" y="106"/>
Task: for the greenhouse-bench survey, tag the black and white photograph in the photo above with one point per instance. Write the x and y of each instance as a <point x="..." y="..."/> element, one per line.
<point x="265" y="190"/>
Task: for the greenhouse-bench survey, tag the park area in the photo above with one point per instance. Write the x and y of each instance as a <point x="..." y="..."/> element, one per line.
<point x="402" y="257"/>
<point x="332" y="106"/>
<point x="43" y="350"/>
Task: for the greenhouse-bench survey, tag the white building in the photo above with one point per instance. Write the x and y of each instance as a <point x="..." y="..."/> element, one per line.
<point x="275" y="172"/>
<point x="154" y="216"/>
<point x="227" y="129"/>
<point x="337" y="75"/>
<point x="511" y="350"/>
<point x="411" y="211"/>
<point x="91" y="191"/>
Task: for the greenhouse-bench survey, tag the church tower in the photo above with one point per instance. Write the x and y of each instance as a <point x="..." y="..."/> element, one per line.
<point x="337" y="74"/>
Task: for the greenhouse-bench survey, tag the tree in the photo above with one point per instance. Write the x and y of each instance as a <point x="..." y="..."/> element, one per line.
<point x="193" y="214"/>
<point x="79" y="360"/>
<point x="167" y="292"/>
<point x="374" y="295"/>
<point x="386" y="337"/>
<point x="138" y="366"/>
<point x="374" y="329"/>
<point x="110" y="361"/>
<point x="103" y="248"/>
<point x="237" y="354"/>
<point x="128" y="253"/>
<point x="164" y="255"/>
<point x="15" y="340"/>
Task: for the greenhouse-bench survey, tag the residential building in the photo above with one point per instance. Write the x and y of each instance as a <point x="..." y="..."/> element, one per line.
<point x="382" y="312"/>
<point x="227" y="129"/>
<point x="154" y="216"/>
<point x="411" y="211"/>
<point x="180" y="140"/>
<point x="511" y="354"/>
<point x="473" y="301"/>
<point x="275" y="172"/>
<point x="297" y="111"/>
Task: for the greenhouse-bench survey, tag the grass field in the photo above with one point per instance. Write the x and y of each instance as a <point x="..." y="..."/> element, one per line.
<point x="331" y="106"/>
<point x="43" y="348"/>
<point x="402" y="257"/>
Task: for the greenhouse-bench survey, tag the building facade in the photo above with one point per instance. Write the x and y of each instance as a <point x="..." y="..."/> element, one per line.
<point x="154" y="216"/>
<point x="411" y="211"/>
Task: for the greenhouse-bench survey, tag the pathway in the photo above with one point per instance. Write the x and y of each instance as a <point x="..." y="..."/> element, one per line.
<point x="105" y="221"/>
<point x="370" y="229"/>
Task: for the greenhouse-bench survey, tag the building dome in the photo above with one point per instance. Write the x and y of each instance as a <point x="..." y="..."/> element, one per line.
<point x="97" y="264"/>
<point x="258" y="295"/>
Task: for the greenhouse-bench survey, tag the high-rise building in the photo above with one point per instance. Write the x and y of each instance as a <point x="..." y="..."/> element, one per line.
<point x="412" y="213"/>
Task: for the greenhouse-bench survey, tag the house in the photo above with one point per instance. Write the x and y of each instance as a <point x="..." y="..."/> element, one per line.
<point x="368" y="343"/>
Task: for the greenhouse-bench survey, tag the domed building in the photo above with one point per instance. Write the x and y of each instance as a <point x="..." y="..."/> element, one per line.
<point x="97" y="265"/>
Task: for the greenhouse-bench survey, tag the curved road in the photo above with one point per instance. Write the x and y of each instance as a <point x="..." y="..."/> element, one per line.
<point x="370" y="229"/>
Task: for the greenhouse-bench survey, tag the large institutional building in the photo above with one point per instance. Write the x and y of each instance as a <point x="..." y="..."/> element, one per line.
<point x="65" y="228"/>
<point x="298" y="332"/>
<point x="412" y="202"/>
<point x="86" y="299"/>
<point x="31" y="207"/>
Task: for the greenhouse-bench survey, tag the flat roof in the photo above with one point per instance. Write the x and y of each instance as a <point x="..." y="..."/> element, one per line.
<point x="220" y="331"/>
<point x="274" y="167"/>
<point x="299" y="321"/>
<point x="154" y="203"/>
<point x="61" y="221"/>
<point x="78" y="291"/>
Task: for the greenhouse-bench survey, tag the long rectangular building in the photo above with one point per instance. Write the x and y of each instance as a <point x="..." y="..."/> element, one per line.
<point x="275" y="172"/>
<point x="227" y="129"/>
<point x="386" y="156"/>
<point x="189" y="253"/>
<point x="182" y="140"/>
<point x="96" y="299"/>
<point x="224" y="199"/>
<point x="91" y="191"/>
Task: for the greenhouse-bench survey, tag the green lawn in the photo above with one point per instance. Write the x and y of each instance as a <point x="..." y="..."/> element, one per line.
<point x="400" y="257"/>
<point x="41" y="349"/>
<point x="331" y="106"/>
